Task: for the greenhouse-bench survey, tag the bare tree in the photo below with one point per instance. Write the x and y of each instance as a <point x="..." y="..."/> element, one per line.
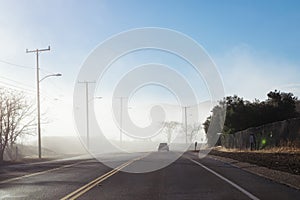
<point x="16" y="118"/>
<point x="194" y="129"/>
<point x="169" y="128"/>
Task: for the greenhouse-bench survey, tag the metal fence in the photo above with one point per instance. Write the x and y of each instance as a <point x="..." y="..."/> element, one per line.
<point x="269" y="135"/>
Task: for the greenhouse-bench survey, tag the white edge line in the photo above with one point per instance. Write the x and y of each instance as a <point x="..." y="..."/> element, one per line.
<point x="228" y="181"/>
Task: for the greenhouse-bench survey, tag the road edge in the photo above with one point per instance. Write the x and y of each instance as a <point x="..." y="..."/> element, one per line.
<point x="285" y="178"/>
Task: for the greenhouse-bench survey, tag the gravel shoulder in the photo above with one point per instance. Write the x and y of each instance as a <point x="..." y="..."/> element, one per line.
<point x="282" y="161"/>
<point x="279" y="167"/>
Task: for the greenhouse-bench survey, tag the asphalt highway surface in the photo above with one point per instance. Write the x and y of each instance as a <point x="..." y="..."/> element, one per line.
<point x="187" y="178"/>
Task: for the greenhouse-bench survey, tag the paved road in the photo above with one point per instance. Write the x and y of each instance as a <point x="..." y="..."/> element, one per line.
<point x="187" y="178"/>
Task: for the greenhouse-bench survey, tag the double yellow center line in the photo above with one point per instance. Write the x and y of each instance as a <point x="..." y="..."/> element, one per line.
<point x="79" y="192"/>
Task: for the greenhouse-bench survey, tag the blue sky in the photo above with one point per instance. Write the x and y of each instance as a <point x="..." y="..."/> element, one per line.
<point x="255" y="44"/>
<point x="271" y="26"/>
<point x="264" y="29"/>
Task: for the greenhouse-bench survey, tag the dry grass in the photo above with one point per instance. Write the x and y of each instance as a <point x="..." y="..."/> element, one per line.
<point x="269" y="150"/>
<point x="284" y="158"/>
<point x="280" y="150"/>
<point x="285" y="147"/>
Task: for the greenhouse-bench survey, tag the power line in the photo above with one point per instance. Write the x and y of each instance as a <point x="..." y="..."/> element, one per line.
<point x="30" y="90"/>
<point x="2" y="77"/>
<point x="26" y="90"/>
<point x="12" y="86"/>
<point x="22" y="66"/>
<point x="16" y="65"/>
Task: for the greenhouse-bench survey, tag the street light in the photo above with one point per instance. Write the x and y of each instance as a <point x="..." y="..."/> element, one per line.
<point x="39" y="112"/>
<point x="38" y="80"/>
<point x="49" y="76"/>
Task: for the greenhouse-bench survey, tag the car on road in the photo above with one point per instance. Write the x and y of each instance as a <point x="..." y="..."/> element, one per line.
<point x="163" y="147"/>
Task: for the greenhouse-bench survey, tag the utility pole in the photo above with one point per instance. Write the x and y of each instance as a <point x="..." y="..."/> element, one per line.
<point x="185" y="118"/>
<point x="121" y="117"/>
<point x="87" y="110"/>
<point x="37" y="51"/>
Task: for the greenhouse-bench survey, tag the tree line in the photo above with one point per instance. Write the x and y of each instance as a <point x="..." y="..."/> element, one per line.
<point x="242" y="114"/>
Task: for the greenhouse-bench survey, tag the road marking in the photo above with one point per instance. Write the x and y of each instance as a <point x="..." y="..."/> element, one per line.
<point x="8" y="196"/>
<point x="40" y="173"/>
<point x="79" y="192"/>
<point x="251" y="196"/>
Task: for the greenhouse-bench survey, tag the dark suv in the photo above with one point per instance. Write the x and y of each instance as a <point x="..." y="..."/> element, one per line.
<point x="163" y="147"/>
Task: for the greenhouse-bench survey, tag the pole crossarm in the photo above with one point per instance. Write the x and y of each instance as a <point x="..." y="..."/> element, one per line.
<point x="37" y="50"/>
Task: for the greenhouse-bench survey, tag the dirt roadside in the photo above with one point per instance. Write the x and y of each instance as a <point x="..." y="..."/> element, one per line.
<point x="279" y="167"/>
<point x="282" y="161"/>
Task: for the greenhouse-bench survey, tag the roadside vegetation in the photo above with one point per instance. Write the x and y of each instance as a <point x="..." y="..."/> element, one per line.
<point x="244" y="117"/>
<point x="16" y="120"/>
<point x="242" y="114"/>
<point x="283" y="158"/>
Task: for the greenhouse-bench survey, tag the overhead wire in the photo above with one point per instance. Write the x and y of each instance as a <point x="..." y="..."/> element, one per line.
<point x="21" y="83"/>
<point x="16" y="65"/>
<point x="23" y="66"/>
<point x="29" y="90"/>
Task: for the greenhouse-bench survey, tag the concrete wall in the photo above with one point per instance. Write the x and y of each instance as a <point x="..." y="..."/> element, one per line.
<point x="268" y="135"/>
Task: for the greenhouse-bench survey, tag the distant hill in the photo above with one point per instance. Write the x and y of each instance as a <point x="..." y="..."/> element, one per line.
<point x="21" y="151"/>
<point x="52" y="147"/>
<point x="62" y="145"/>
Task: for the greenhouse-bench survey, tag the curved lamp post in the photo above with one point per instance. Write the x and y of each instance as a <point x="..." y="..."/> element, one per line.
<point x="58" y="74"/>
<point x="38" y="80"/>
<point x="39" y="112"/>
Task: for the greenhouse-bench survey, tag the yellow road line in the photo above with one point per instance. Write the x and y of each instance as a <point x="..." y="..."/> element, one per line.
<point x="77" y="193"/>
<point x="40" y="173"/>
